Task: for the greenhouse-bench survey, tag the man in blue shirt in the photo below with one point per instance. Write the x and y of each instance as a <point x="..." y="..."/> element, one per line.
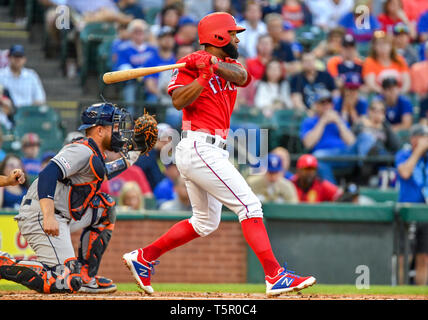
<point x="399" y="109"/>
<point x="164" y="55"/>
<point x="131" y="54"/>
<point x="360" y="26"/>
<point x="412" y="167"/>
<point x="327" y="135"/>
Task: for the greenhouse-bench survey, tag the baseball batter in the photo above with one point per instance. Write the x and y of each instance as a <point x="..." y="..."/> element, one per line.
<point x="66" y="198"/>
<point x="205" y="90"/>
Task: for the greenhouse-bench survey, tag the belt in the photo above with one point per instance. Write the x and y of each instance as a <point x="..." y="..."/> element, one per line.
<point x="208" y="139"/>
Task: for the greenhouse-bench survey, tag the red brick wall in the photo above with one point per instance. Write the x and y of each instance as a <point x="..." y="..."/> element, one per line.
<point x="219" y="257"/>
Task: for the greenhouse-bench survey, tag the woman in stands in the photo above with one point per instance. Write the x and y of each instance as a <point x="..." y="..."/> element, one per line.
<point x="384" y="62"/>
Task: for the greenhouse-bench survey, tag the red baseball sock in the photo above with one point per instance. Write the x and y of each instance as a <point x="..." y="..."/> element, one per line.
<point x="257" y="238"/>
<point x="179" y="234"/>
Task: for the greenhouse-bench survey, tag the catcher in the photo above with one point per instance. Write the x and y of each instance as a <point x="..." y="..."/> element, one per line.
<point x="66" y="198"/>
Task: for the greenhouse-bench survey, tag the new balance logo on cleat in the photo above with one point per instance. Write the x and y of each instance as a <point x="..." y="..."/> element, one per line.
<point x="287" y="281"/>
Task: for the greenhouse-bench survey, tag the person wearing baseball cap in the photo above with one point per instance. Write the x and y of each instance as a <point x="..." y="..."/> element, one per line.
<point x="310" y="187"/>
<point x="350" y="105"/>
<point x="24" y="85"/>
<point x="272" y="186"/>
<point x="412" y="169"/>
<point x="399" y="108"/>
<point x="402" y="43"/>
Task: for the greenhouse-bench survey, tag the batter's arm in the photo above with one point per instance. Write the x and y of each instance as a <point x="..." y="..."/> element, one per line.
<point x="185" y="95"/>
<point x="231" y="72"/>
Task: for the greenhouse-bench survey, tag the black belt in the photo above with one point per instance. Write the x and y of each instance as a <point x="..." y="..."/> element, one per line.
<point x="209" y="139"/>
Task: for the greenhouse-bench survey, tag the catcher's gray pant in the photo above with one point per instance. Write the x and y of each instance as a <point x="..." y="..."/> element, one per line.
<point x="211" y="181"/>
<point x="52" y="250"/>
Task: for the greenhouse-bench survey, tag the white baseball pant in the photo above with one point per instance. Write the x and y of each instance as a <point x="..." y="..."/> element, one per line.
<point x="211" y="181"/>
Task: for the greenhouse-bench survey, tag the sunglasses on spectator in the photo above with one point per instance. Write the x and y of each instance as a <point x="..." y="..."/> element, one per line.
<point x="325" y="101"/>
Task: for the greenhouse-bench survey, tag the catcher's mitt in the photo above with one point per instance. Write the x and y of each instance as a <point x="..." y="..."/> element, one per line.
<point x="145" y="133"/>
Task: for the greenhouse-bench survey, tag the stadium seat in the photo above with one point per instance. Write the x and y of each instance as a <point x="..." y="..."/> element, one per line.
<point x="380" y="195"/>
<point x="310" y="36"/>
<point x="92" y="35"/>
<point x="44" y="121"/>
<point x="286" y="125"/>
<point x="104" y="59"/>
<point x="249" y="115"/>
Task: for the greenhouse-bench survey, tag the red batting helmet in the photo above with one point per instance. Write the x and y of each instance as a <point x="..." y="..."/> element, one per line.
<point x="213" y="28"/>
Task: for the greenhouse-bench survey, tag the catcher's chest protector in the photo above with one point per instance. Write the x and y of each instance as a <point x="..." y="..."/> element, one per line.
<point x="81" y="194"/>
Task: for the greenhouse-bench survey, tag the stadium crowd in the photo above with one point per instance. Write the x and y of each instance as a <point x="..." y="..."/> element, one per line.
<point x="353" y="74"/>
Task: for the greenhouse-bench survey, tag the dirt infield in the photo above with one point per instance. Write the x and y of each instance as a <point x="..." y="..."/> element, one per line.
<point x="32" y="295"/>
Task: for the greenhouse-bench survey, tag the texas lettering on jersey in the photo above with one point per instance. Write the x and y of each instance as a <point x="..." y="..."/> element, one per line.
<point x="212" y="110"/>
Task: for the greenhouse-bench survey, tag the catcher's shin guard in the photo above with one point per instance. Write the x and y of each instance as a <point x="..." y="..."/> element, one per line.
<point x="95" y="239"/>
<point x="62" y="278"/>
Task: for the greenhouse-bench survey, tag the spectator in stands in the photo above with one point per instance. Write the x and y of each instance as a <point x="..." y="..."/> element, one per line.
<point x="352" y="194"/>
<point x="383" y="61"/>
<point x="392" y="15"/>
<point x="226" y="6"/>
<point x="419" y="80"/>
<point x="256" y="66"/>
<point x="131" y="8"/>
<point x="30" y="146"/>
<point x="326" y="134"/>
<point x="296" y="12"/>
<point x="134" y="54"/>
<point x="412" y="168"/>
<point x="11" y="196"/>
<point x="330" y="47"/>
<point x="358" y="24"/>
<point x="347" y="61"/>
<point x="289" y="36"/>
<point x="164" y="55"/>
<point x="285" y="159"/>
<point x="164" y="190"/>
<point x="385" y="140"/>
<point x="53" y="34"/>
<point x="422" y="27"/>
<point x="399" y="109"/>
<point x="169" y="16"/>
<point x="197" y="9"/>
<point x="254" y="26"/>
<point x="350" y="105"/>
<point x="187" y="31"/>
<point x="272" y="92"/>
<point x="46" y="157"/>
<point x="402" y="43"/>
<point x="182" y="201"/>
<point x="96" y="11"/>
<point x="309" y="186"/>
<point x="304" y="85"/>
<point x="414" y="9"/>
<point x="6" y="109"/>
<point x="327" y="14"/>
<point x="23" y="84"/>
<point x="122" y="36"/>
<point x="282" y="50"/>
<point x="133" y="173"/>
<point x="131" y="197"/>
<point x="272" y="186"/>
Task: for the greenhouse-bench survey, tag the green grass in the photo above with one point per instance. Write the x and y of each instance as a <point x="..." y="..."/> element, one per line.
<point x="321" y="289"/>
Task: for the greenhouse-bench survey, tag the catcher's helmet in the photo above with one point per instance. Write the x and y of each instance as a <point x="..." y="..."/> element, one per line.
<point x="214" y="29"/>
<point x="106" y="114"/>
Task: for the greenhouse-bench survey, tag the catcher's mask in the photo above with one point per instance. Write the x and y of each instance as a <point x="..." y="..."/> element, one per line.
<point x="106" y="114"/>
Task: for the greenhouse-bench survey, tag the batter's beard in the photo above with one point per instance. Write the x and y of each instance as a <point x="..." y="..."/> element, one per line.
<point x="231" y="51"/>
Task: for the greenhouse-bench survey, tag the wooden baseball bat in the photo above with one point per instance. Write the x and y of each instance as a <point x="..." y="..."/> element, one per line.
<point x="124" y="75"/>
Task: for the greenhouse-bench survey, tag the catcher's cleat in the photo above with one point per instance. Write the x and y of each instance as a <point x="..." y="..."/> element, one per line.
<point x="98" y="285"/>
<point x="287" y="281"/>
<point x="6" y="260"/>
<point x="140" y="268"/>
